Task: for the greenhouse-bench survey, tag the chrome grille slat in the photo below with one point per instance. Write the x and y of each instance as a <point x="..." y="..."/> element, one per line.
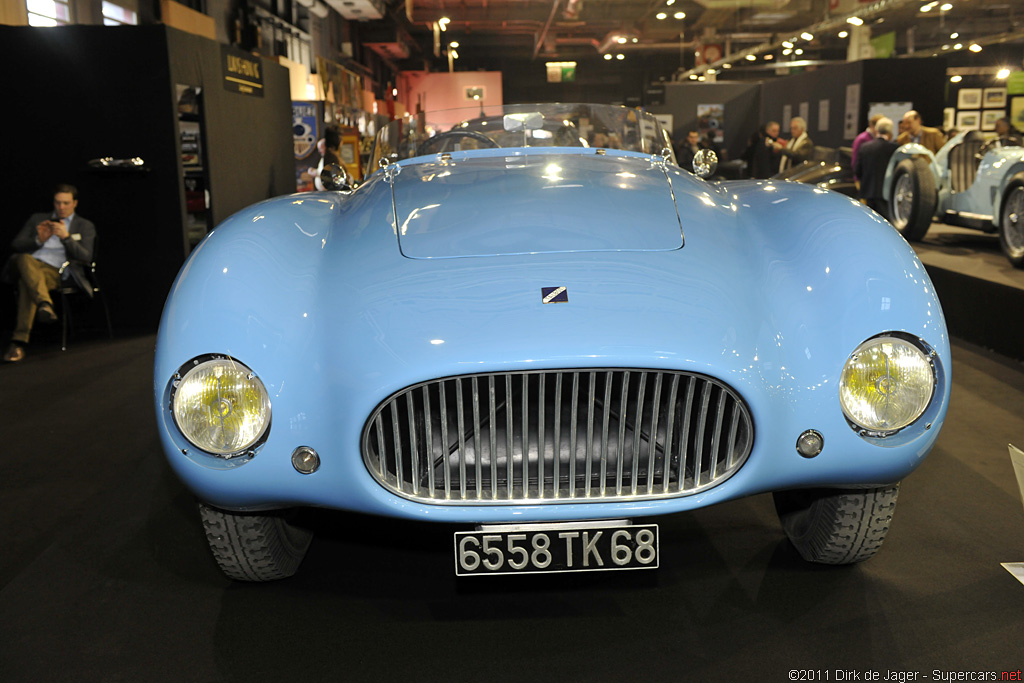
<point x="558" y="436"/>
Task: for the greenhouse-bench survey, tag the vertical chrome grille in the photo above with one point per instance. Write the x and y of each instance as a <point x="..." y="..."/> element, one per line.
<point x="557" y="435"/>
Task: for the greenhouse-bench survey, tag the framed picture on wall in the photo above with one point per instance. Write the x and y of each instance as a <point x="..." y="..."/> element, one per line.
<point x="968" y="120"/>
<point x="968" y="98"/>
<point x="948" y="117"/>
<point x="989" y="118"/>
<point x="995" y="98"/>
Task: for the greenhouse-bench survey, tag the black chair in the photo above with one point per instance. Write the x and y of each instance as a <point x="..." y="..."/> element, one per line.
<point x="70" y="290"/>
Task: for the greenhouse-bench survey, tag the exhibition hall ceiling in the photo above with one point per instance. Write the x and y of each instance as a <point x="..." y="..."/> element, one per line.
<point x="490" y="30"/>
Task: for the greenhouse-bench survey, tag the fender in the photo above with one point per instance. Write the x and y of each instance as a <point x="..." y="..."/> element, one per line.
<point x="911" y="149"/>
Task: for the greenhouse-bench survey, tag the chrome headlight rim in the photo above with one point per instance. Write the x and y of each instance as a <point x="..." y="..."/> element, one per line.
<point x="240" y="454"/>
<point x="930" y="356"/>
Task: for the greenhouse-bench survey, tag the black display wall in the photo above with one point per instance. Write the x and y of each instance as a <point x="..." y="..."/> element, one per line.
<point x="740" y="110"/>
<point x="920" y="81"/>
<point x="77" y="93"/>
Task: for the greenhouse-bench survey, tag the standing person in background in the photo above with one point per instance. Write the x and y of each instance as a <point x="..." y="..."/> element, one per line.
<point x="931" y="139"/>
<point x="762" y="158"/>
<point x="867" y="135"/>
<point x="871" y="164"/>
<point x="798" y="149"/>
<point x="686" y="151"/>
<point x="44" y="244"/>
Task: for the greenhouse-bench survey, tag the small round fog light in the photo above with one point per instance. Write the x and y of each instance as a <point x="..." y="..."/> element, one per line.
<point x="810" y="443"/>
<point x="305" y="460"/>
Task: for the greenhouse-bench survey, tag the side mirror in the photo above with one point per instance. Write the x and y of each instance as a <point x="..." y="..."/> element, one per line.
<point x="705" y="163"/>
<point x="336" y="178"/>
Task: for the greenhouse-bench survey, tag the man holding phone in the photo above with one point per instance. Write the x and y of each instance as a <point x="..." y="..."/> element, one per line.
<point x="46" y="242"/>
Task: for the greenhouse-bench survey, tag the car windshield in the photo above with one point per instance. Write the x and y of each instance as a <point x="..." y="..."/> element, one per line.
<point x="519" y="126"/>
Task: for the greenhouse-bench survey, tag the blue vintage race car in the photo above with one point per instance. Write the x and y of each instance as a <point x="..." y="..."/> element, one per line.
<point x="548" y="335"/>
<point x="970" y="182"/>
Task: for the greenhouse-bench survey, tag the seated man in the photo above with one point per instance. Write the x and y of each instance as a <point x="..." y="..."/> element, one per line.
<point x="44" y="243"/>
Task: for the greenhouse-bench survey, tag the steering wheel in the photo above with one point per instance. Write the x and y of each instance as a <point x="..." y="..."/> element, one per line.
<point x="451" y="135"/>
<point x="993" y="144"/>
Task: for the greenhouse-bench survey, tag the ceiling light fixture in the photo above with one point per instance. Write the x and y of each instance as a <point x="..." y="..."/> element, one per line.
<point x="607" y="56"/>
<point x="958" y="46"/>
<point x="693" y="77"/>
<point x="798" y="51"/>
<point x="620" y="56"/>
<point x="946" y="7"/>
<point x="443" y="23"/>
<point x="843" y="34"/>
<point x="455" y="55"/>
<point x="787" y="51"/>
<point x="670" y="2"/>
<point x="768" y="57"/>
<point x="661" y="15"/>
<point x="975" y="48"/>
<point x="1003" y="73"/>
<point x="806" y="36"/>
<point x="454" y="43"/>
<point x="620" y="40"/>
<point x="930" y="6"/>
<point x="956" y="79"/>
<point x="954" y="36"/>
<point x="856" y="21"/>
<point x="727" y="66"/>
<point x="701" y="78"/>
<point x="751" y="58"/>
<point x="679" y="15"/>
<point x="786" y="43"/>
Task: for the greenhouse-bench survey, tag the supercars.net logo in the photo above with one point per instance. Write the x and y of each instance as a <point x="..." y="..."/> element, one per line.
<point x="554" y="295"/>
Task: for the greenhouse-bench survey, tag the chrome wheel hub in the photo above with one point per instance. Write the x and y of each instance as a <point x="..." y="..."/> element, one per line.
<point x="1013" y="220"/>
<point x="903" y="200"/>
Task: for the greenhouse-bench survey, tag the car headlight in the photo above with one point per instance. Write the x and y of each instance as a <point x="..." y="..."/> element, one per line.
<point x="886" y="384"/>
<point x="221" y="406"/>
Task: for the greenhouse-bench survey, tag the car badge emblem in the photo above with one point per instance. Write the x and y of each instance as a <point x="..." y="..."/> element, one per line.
<point x="554" y="295"/>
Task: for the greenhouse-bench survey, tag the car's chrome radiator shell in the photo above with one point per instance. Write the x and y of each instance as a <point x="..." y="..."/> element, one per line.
<point x="448" y="440"/>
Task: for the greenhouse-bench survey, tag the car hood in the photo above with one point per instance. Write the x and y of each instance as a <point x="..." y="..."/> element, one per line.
<point x="528" y="204"/>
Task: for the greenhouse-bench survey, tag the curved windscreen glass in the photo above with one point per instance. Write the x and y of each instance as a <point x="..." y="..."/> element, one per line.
<point x="518" y="126"/>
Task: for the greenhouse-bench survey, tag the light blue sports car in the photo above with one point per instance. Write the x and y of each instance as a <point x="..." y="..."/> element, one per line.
<point x="971" y="182"/>
<point x="533" y="325"/>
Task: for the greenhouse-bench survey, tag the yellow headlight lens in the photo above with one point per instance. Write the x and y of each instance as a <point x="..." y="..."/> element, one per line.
<point x="221" y="407"/>
<point x="886" y="384"/>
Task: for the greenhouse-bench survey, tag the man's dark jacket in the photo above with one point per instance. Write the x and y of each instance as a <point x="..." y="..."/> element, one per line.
<point x="872" y="159"/>
<point x="78" y="248"/>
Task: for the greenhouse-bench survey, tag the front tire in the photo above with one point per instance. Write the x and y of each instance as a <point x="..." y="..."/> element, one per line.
<point x="254" y="547"/>
<point x="837" y="526"/>
<point x="1011" y="222"/>
<point x="913" y="198"/>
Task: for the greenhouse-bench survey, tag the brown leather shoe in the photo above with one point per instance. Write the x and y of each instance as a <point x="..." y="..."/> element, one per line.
<point x="45" y="313"/>
<point x="14" y="353"/>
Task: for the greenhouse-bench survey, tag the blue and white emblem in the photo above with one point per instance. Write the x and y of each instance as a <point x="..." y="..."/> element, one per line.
<point x="554" y="295"/>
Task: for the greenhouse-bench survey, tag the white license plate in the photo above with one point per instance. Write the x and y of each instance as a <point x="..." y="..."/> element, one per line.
<point x="543" y="548"/>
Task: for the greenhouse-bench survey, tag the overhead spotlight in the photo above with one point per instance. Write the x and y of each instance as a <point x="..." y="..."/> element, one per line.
<point x="956" y="79"/>
<point x="786" y="43"/>
<point x="620" y="40"/>
<point x="958" y="46"/>
<point x="712" y="72"/>
<point x="751" y="58"/>
<point x="693" y="77"/>
<point x="607" y="56"/>
<point x="453" y="44"/>
<point x="843" y="34"/>
<point x="929" y="7"/>
<point x="660" y="16"/>
<point x="455" y="55"/>
<point x="635" y="40"/>
<point x="701" y="78"/>
<point x="620" y="56"/>
<point x="856" y="21"/>
<point x="1003" y="73"/>
<point x="768" y="57"/>
<point x="975" y="47"/>
<point x="798" y="51"/>
<point x="945" y="7"/>
<point x="443" y="23"/>
<point x="729" y="66"/>
<point x="670" y="2"/>
<point x="679" y="15"/>
<point x="787" y="51"/>
<point x="945" y="47"/>
<point x="806" y="36"/>
<point x="954" y="36"/>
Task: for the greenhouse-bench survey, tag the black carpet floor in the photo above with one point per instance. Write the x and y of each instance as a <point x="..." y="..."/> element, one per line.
<point x="105" y="575"/>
